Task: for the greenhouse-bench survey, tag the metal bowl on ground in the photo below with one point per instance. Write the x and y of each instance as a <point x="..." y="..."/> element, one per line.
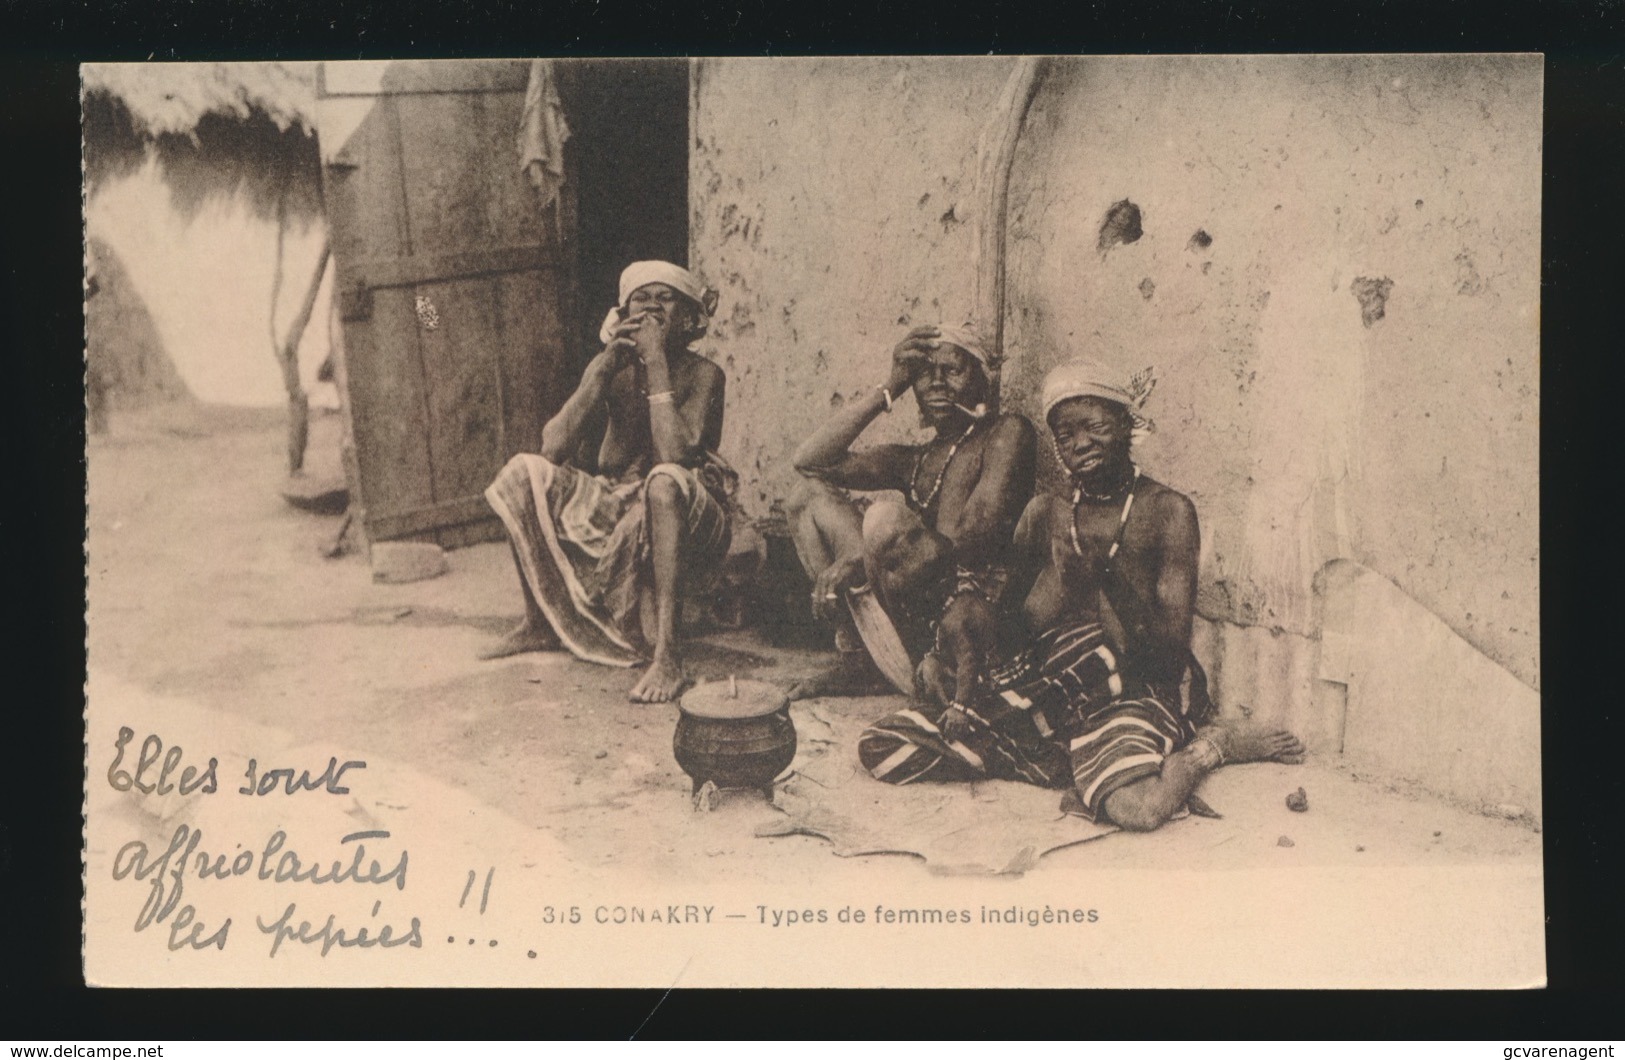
<point x="734" y="734"/>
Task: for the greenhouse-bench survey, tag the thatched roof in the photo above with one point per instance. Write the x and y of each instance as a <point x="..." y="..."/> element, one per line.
<point x="169" y="98"/>
<point x="215" y="129"/>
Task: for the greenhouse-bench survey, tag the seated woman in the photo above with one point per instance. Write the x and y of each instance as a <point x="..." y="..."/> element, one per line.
<point x="1093" y="700"/>
<point x="935" y="562"/>
<point x="601" y="551"/>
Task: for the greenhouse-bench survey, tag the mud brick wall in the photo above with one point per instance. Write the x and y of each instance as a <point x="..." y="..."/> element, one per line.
<point x="1336" y="276"/>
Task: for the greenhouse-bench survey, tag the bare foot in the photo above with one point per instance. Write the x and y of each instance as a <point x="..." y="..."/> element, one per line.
<point x="522" y="638"/>
<point x="662" y="681"/>
<point x="852" y="674"/>
<point x="1250" y="741"/>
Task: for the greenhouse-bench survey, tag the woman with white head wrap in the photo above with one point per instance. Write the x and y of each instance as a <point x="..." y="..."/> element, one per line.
<point x="1094" y="701"/>
<point x="602" y="551"/>
<point x="641" y="275"/>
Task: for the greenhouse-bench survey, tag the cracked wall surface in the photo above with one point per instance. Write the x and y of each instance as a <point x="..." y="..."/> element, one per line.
<point x="828" y="200"/>
<point x="832" y="203"/>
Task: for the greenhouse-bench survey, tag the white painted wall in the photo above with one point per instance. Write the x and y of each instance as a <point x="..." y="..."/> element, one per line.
<point x="832" y="202"/>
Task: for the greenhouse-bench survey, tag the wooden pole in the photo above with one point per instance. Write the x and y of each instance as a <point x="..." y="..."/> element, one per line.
<point x="995" y="155"/>
<point x="288" y="359"/>
<point x="356" y="517"/>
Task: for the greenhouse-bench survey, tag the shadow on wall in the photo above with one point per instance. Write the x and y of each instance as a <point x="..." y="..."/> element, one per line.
<point x="1386" y="688"/>
<point x="1418" y="702"/>
<point x="126" y="366"/>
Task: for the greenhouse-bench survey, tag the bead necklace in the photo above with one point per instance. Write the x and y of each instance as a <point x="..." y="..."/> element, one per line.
<point x="1105" y="495"/>
<point x="936" y="487"/>
<point x="1078" y="494"/>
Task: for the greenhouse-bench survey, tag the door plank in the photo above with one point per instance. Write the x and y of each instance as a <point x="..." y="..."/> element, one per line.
<point x="427" y="201"/>
<point x="428" y="518"/>
<point x="391" y="405"/>
<point x="367" y="212"/>
<point x="536" y="373"/>
<point x="447" y="171"/>
<point x="461" y="373"/>
<point x="384" y="271"/>
<point x="510" y="201"/>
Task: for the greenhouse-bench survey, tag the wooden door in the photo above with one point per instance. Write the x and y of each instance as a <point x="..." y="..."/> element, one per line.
<point x="451" y="284"/>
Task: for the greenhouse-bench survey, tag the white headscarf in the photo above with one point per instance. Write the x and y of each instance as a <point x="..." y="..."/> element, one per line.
<point x="641" y="274"/>
<point x="1086" y="377"/>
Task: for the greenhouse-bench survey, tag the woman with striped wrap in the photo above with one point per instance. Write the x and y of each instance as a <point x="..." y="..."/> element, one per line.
<point x="1104" y="697"/>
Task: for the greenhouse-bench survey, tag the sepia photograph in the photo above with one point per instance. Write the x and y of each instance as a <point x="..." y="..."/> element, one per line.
<point x="928" y="521"/>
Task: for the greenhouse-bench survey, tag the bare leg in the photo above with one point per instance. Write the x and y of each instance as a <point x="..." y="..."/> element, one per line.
<point x="824" y="524"/>
<point x="965" y="638"/>
<point x="901" y="558"/>
<point x="534" y="632"/>
<point x="902" y="555"/>
<point x="1149" y="803"/>
<point x="665" y="677"/>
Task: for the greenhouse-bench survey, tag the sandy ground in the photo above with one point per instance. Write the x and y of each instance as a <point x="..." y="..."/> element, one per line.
<point x="207" y="588"/>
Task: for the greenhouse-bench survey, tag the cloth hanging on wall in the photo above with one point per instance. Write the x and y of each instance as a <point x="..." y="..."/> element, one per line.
<point x="542" y="133"/>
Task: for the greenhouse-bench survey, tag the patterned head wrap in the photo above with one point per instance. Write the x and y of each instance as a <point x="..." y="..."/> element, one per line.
<point x="641" y="274"/>
<point x="1085" y="377"/>
<point x="968" y="340"/>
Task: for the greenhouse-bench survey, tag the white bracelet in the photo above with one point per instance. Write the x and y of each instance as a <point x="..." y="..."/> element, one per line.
<point x="664" y="397"/>
<point x="969" y="713"/>
<point x="885" y="394"/>
<point x="1214" y="758"/>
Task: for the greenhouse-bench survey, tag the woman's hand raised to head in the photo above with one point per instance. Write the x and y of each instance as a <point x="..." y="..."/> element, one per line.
<point x="908" y="357"/>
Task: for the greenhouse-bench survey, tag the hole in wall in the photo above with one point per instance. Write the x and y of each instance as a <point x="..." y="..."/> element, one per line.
<point x="1373" y="297"/>
<point x="1122" y="225"/>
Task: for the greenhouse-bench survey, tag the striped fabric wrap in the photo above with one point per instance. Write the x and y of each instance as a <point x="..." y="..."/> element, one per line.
<point x="1058" y="714"/>
<point x="582" y="544"/>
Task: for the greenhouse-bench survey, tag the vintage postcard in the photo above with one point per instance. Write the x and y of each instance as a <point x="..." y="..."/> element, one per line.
<point x="871" y="522"/>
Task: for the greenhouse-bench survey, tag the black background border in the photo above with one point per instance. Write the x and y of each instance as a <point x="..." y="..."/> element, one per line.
<point x="41" y="986"/>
